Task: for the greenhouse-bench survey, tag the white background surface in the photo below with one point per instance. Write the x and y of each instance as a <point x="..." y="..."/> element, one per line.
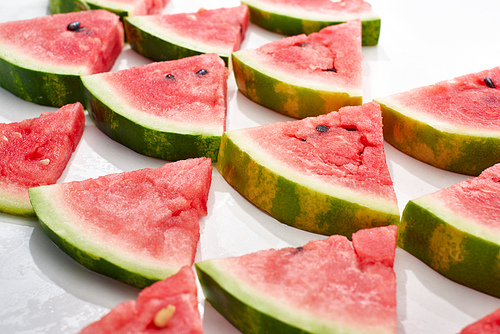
<point x="42" y="290"/>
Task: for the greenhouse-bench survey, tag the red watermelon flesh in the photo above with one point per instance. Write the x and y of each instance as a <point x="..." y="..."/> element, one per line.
<point x="326" y="281"/>
<point x="489" y="324"/>
<point x="189" y="90"/>
<point x="465" y="102"/>
<point x="35" y="151"/>
<point x="220" y="28"/>
<point x="92" y="48"/>
<point x="476" y="200"/>
<point x="330" y="57"/>
<point x="343" y="148"/>
<point x="138" y="316"/>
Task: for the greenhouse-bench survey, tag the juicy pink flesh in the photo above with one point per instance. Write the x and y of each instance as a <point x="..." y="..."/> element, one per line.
<point x="138" y="316"/>
<point x="152" y="213"/>
<point x="48" y="41"/>
<point x="350" y="153"/>
<point x="328" y="278"/>
<point x="36" y="151"/>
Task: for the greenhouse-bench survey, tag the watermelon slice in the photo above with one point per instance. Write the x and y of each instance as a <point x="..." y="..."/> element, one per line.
<point x="35" y="152"/>
<point x="41" y="59"/>
<point x="324" y="174"/>
<point x="168" y="110"/>
<point x="303" y="76"/>
<point x="167" y="306"/>
<point x="490" y="324"/>
<point x="293" y="17"/>
<point x="137" y="227"/>
<point x="122" y="8"/>
<point x="325" y="286"/>
<point x="456" y="231"/>
<point x="174" y="36"/>
<point x="453" y="125"/>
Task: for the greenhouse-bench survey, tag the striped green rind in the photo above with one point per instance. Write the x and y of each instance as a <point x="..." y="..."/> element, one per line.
<point x="290" y="25"/>
<point x="157" y="48"/>
<point x="289" y="99"/>
<point x="44" y="88"/>
<point x="451" y="149"/>
<point x="66" y="6"/>
<point x="295" y="202"/>
<point x="456" y="254"/>
<point x="253" y="313"/>
<point x="56" y="223"/>
<point x="156" y="143"/>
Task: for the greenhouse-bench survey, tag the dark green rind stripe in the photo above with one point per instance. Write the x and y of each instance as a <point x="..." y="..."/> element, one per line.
<point x="290" y="26"/>
<point x="464" y="154"/>
<point x="459" y="256"/>
<point x="285" y="98"/>
<point x="286" y="200"/>
<point x="66" y="6"/>
<point x="242" y="315"/>
<point x="39" y="87"/>
<point x="164" y="145"/>
<point x="155" y="48"/>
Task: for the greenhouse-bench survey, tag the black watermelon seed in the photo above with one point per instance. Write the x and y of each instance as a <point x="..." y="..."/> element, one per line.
<point x="351" y="129"/>
<point x="333" y="69"/>
<point x="74" y="26"/>
<point x="322" y="128"/>
<point x="170" y="76"/>
<point x="302" y="44"/>
<point x="489" y="83"/>
<point x="202" y="72"/>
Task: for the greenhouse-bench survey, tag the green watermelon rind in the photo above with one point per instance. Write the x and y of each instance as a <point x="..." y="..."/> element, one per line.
<point x="47" y="85"/>
<point x="438" y="239"/>
<point x="440" y="144"/>
<point x="285" y="93"/>
<point x="16" y="201"/>
<point x="65" y="6"/>
<point x="159" y="45"/>
<point x="291" y="24"/>
<point x="56" y="222"/>
<point x="298" y="200"/>
<point x="147" y="135"/>
<point x="251" y="312"/>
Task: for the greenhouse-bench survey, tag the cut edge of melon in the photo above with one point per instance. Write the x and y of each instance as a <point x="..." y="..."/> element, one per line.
<point x="299" y="13"/>
<point x="15" y="200"/>
<point x="390" y="105"/>
<point x="245" y="294"/>
<point x="247" y="57"/>
<point x="337" y="191"/>
<point x="170" y="36"/>
<point x="58" y="220"/>
<point x="98" y="87"/>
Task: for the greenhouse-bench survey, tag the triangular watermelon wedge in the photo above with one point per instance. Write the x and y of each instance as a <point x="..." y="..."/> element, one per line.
<point x="174" y="36"/>
<point x="41" y="59"/>
<point x="137" y="227"/>
<point x="35" y="152"/>
<point x="326" y="286"/>
<point x="456" y="231"/>
<point x="170" y="110"/>
<point x="489" y="324"/>
<point x="453" y="124"/>
<point x="167" y="306"/>
<point x="303" y="76"/>
<point x="293" y="17"/>
<point x="326" y="174"/>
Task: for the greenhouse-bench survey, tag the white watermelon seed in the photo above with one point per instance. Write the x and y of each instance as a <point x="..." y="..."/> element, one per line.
<point x="163" y="316"/>
<point x="45" y="162"/>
